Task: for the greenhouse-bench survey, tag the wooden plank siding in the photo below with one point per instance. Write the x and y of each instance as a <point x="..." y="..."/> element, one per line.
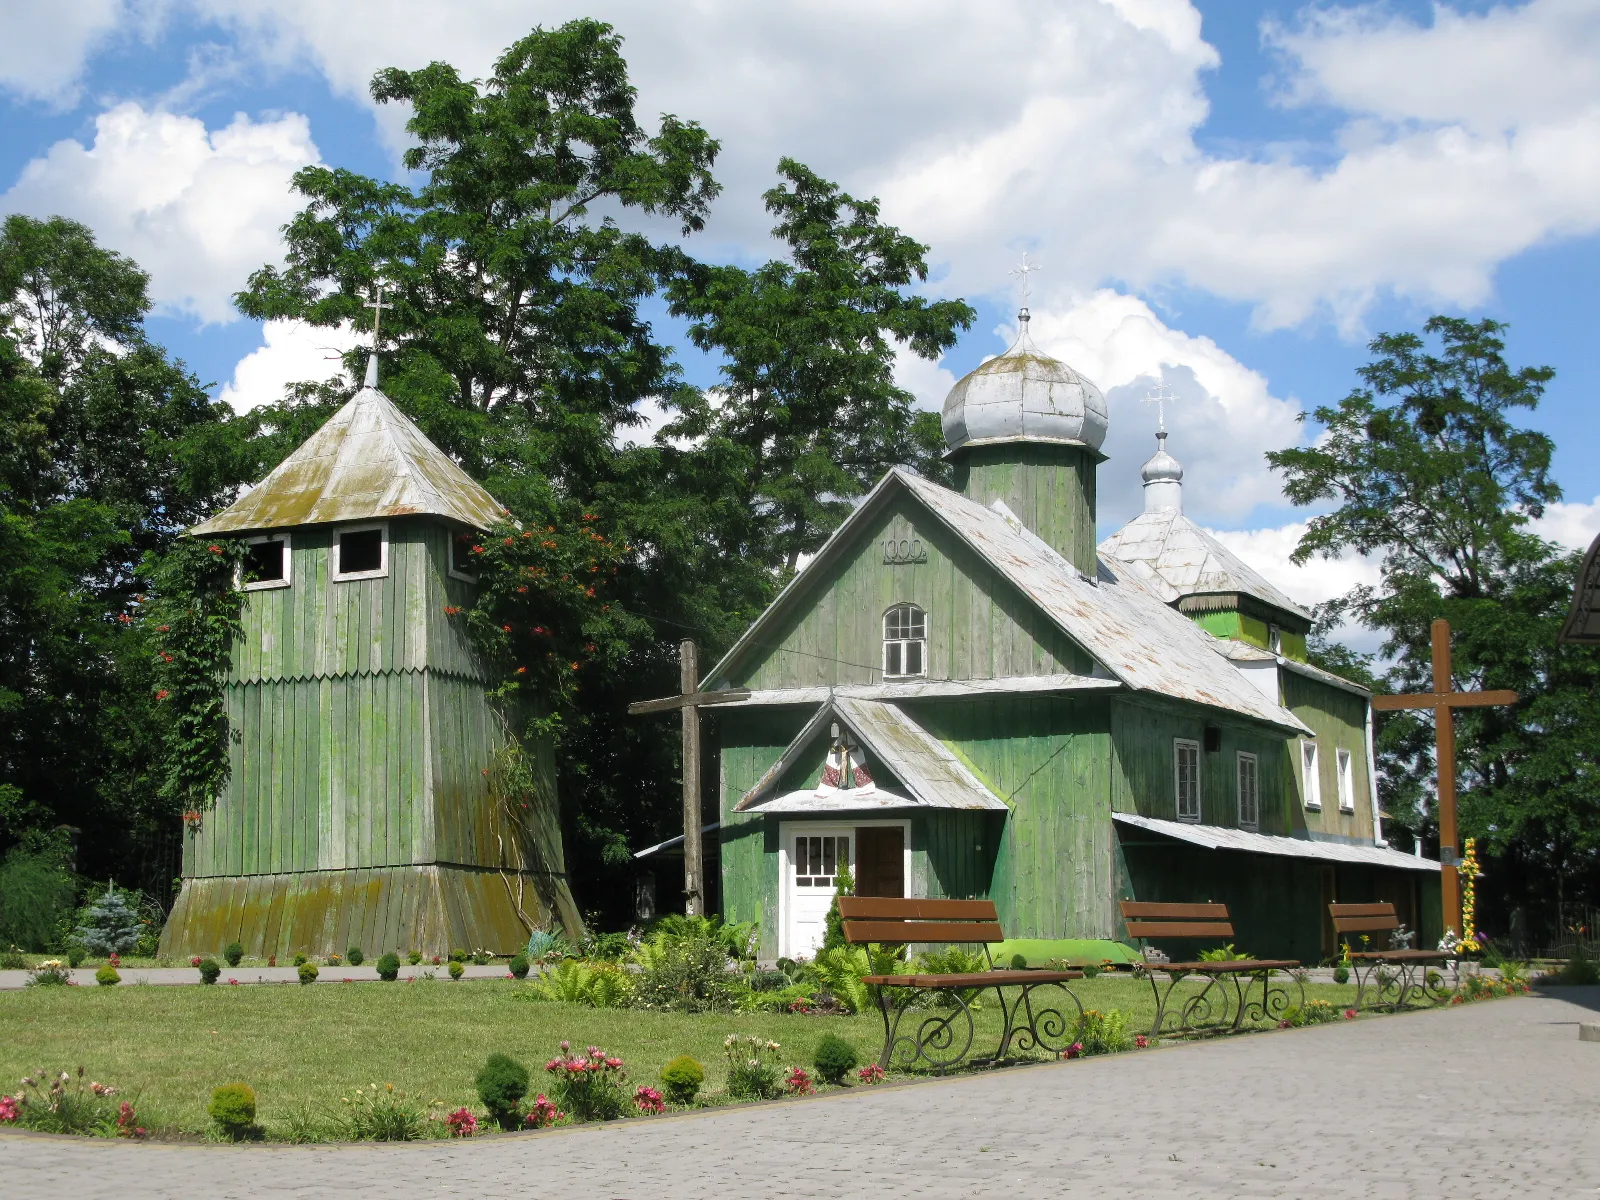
<point x="1339" y="719"/>
<point x="979" y="626"/>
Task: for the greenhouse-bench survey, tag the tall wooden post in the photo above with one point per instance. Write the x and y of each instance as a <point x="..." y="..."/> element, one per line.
<point x="1444" y="700"/>
<point x="693" y="850"/>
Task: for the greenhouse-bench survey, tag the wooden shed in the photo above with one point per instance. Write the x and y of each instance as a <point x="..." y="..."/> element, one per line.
<point x="364" y="804"/>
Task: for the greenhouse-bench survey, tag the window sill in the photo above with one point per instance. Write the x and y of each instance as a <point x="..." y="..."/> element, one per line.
<point x="358" y="576"/>
<point x="1313" y="808"/>
<point x="265" y="585"/>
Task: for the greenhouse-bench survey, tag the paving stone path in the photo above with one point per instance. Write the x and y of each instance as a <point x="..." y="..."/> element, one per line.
<point x="1493" y="1099"/>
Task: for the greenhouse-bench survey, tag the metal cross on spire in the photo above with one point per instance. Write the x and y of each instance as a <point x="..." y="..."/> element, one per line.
<point x="1023" y="270"/>
<point x="377" y="306"/>
<point x="1161" y="396"/>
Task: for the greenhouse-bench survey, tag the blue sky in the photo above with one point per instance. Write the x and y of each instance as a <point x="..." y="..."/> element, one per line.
<point x="1229" y="197"/>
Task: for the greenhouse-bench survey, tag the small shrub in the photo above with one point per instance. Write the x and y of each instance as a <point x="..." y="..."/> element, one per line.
<point x="456" y="969"/>
<point x="389" y="967"/>
<point x="834" y="1058"/>
<point x="233" y="1108"/>
<point x="1579" y="970"/>
<point x="612" y="947"/>
<point x="1223" y="954"/>
<point x="110" y="925"/>
<point x="544" y="946"/>
<point x="502" y="1083"/>
<point x="481" y="957"/>
<point x="414" y="957"/>
<point x="610" y="986"/>
<point x="234" y="954"/>
<point x="458" y="956"/>
<point x="682" y="1078"/>
<point x="307" y="972"/>
<point x="354" y="956"/>
<point x="209" y="970"/>
<point x="107" y="976"/>
<point x="374" y="1114"/>
<point x="1341" y="974"/>
<point x="333" y="960"/>
<point x="300" y="960"/>
<point x="50" y="973"/>
<point x="519" y="965"/>
<point x="591" y="1086"/>
<point x="1313" y="1012"/>
<point x="684" y="968"/>
<point x="75" y="955"/>
<point x="753" y="1071"/>
<point x="1092" y="970"/>
<point x="1105" y="1032"/>
<point x="12" y="959"/>
<point x="1019" y="962"/>
<point x="63" y="1103"/>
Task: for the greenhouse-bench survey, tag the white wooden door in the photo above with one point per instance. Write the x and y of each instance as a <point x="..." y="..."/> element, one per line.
<point x="811" y="860"/>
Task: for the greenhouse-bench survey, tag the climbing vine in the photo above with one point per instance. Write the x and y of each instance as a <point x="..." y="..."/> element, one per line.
<point x="194" y="617"/>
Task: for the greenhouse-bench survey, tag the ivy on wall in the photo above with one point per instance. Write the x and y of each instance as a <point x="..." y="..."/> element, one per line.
<point x="194" y="616"/>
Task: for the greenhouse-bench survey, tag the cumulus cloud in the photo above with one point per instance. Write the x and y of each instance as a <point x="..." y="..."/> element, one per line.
<point x="1572" y="524"/>
<point x="199" y="209"/>
<point x="43" y="47"/>
<point x="290" y="352"/>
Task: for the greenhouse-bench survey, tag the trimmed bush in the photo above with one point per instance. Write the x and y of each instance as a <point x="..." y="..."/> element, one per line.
<point x="12" y="959"/>
<point x="233" y="954"/>
<point x="456" y="969"/>
<point x="233" y="1108"/>
<point x="414" y="957"/>
<point x="107" y="977"/>
<point x="355" y="956"/>
<point x="308" y="972"/>
<point x="458" y="956"/>
<point x="1341" y="974"/>
<point x="209" y="970"/>
<point x="299" y="960"/>
<point x="682" y="1078"/>
<point x="389" y="967"/>
<point x="502" y="1084"/>
<point x="519" y="965"/>
<point x="75" y="955"/>
<point x="834" y="1058"/>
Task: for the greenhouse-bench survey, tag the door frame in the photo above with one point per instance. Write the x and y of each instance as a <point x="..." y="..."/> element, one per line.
<point x="825" y="824"/>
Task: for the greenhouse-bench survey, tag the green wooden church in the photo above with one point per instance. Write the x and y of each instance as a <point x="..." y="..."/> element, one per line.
<point x="362" y="805"/>
<point x="963" y="696"/>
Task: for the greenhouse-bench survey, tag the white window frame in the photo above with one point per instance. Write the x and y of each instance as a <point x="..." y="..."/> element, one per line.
<point x="1311" y="775"/>
<point x="922" y="642"/>
<point x="1251" y="819"/>
<point x="1179" y="746"/>
<point x="1347" y="780"/>
<point x="450" y="555"/>
<point x="267" y="585"/>
<point x="339" y="531"/>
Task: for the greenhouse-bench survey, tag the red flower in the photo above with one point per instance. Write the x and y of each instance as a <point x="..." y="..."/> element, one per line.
<point x="215" y="549"/>
<point x="163" y="628"/>
<point x="522" y="670"/>
<point x="161" y="694"/>
<point x="523" y="590"/>
<point x="589" y="592"/>
<point x="511" y="541"/>
<point x="477" y="549"/>
<point x="574" y="666"/>
<point x="505" y="629"/>
<point x="450" y="610"/>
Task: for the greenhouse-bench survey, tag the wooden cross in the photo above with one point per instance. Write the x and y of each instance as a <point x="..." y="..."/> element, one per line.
<point x="1444" y="700"/>
<point x="689" y="702"/>
<point x="377" y="306"/>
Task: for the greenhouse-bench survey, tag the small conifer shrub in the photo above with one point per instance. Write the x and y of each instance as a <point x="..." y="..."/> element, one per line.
<point x="209" y="970"/>
<point x="414" y="957"/>
<point x="456" y="969"/>
<point x="233" y="954"/>
<point x="458" y="956"/>
<point x="354" y="956"/>
<point x="682" y="1078"/>
<point x="502" y="1083"/>
<point x="308" y="972"/>
<point x="233" y="1108"/>
<point x="111" y="925"/>
<point x="834" y="1058"/>
<point x="107" y="976"/>
<point x="299" y="960"/>
<point x="519" y="965"/>
<point x="389" y="967"/>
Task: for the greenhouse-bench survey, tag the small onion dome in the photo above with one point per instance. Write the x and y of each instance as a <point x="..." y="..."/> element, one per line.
<point x="1024" y="395"/>
<point x="1163" y="478"/>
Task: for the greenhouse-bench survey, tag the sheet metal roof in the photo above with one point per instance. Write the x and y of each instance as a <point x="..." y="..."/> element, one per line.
<point x="934" y="777"/>
<point x="366" y="463"/>
<point x="1244" y="652"/>
<point x="1215" y="837"/>
<point x="1174" y="557"/>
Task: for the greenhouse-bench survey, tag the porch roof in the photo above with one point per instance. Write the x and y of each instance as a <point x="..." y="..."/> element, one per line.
<point x="1216" y="837"/>
<point x="932" y="775"/>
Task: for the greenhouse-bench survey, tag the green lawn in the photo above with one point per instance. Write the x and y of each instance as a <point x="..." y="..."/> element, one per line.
<point x="306" y="1046"/>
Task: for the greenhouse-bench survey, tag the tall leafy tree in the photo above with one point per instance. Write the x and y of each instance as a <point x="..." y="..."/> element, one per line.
<point x="809" y="406"/>
<point x="1427" y="468"/>
<point x="108" y="449"/>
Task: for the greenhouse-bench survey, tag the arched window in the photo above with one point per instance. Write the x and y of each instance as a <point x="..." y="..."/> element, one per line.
<point x="905" y="642"/>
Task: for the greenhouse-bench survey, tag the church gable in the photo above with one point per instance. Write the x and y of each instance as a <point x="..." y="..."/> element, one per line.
<point x="830" y="627"/>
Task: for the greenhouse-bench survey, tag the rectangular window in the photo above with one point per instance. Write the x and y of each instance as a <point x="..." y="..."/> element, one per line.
<point x="1347" y="783"/>
<point x="1249" y="792"/>
<point x="1274" y="639"/>
<point x="360" y="552"/>
<point x="266" y="563"/>
<point x="817" y="860"/>
<point x="1186" y="770"/>
<point x="461" y="565"/>
<point x="905" y="642"/>
<point x="1310" y="775"/>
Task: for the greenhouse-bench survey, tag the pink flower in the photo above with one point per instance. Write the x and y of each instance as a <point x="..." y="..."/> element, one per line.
<point x="871" y="1073"/>
<point x="649" y="1100"/>
<point x="544" y="1113"/>
<point x="195" y="961"/>
<point x="565" y="1046"/>
<point x="233" y="981"/>
<point x="614" y="1063"/>
<point x="462" y="1123"/>
<point x="8" y="1108"/>
<point x="1141" y="1041"/>
<point x="1073" y="1051"/>
<point x="798" y="1083"/>
<point x="1349" y="1014"/>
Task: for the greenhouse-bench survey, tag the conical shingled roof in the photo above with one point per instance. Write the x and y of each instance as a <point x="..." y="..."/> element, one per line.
<point x="369" y="462"/>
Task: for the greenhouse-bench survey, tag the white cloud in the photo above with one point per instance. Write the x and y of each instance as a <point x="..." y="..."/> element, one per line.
<point x="43" y="47"/>
<point x="198" y="209"/>
<point x="1572" y="524"/>
<point x="1317" y="581"/>
<point x="290" y="352"/>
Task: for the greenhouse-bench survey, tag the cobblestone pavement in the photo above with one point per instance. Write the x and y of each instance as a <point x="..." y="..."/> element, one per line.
<point x="1493" y="1099"/>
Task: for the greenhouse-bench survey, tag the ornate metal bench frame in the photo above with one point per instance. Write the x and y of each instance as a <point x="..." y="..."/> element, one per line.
<point x="1397" y="978"/>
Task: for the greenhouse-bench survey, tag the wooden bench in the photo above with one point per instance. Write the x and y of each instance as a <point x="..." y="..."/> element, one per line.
<point x="1389" y="979"/>
<point x="942" y="1040"/>
<point x="1228" y="999"/>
